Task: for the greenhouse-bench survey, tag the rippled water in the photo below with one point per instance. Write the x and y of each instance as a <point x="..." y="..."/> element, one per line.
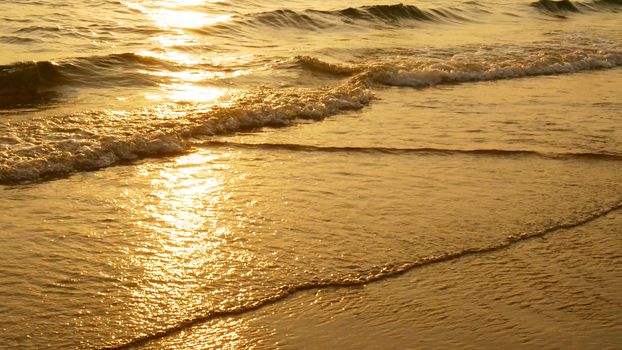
<point x="211" y="174"/>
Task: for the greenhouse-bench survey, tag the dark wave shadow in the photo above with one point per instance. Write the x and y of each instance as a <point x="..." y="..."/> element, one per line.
<point x="417" y="151"/>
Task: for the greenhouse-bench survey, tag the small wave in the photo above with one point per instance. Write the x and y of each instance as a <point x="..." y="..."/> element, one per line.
<point x="19" y="40"/>
<point x="392" y="15"/>
<point x="606" y="5"/>
<point x="113" y="70"/>
<point x="22" y="83"/>
<point x="21" y="76"/>
<point x="387" y="13"/>
<point x="559" y="7"/>
<point x="317" y="65"/>
<point x="28" y="78"/>
<point x="288" y="18"/>
<point x="317" y="19"/>
<point x="380" y="273"/>
<point x="482" y="64"/>
<point x="555" y="6"/>
<point x="43" y="29"/>
<point x="36" y="150"/>
<point x="397" y="13"/>
<point x="422" y="150"/>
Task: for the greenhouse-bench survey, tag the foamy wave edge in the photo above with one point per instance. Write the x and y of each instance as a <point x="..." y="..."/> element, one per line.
<point x="35" y="151"/>
<point x="379" y="273"/>
<point x="472" y="67"/>
<point x="32" y="152"/>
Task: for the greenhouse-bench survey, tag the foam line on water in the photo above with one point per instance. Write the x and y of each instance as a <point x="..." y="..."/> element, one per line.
<point x="40" y="149"/>
<point x="474" y="65"/>
<point x="381" y="273"/>
<point x="35" y="150"/>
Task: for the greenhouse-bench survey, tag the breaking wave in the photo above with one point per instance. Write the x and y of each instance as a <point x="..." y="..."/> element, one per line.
<point x="35" y="150"/>
<point x="480" y="64"/>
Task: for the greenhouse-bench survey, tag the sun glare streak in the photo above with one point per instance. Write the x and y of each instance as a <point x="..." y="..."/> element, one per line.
<point x="184" y="92"/>
<point x="183" y="3"/>
<point x="179" y="3"/>
<point x="135" y="6"/>
<point x="186" y="249"/>
<point x="188" y="93"/>
<point x="185" y="19"/>
<point x="174" y="16"/>
<point x="172" y="56"/>
<point x="166" y="14"/>
<point x="178" y="39"/>
<point x="196" y="76"/>
<point x="183" y="207"/>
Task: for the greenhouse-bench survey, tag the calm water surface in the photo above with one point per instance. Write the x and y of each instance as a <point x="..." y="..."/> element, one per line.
<point x="196" y="174"/>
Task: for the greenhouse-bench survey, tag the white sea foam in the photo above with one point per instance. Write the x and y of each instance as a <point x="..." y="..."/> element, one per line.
<point x="39" y="149"/>
<point x="476" y="64"/>
<point x="35" y="149"/>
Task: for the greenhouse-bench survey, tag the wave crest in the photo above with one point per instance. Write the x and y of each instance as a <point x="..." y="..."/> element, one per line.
<point x="387" y="13"/>
<point x="484" y="64"/>
<point x="28" y="76"/>
<point x="317" y="65"/>
<point x="26" y="83"/>
<point x="558" y="7"/>
<point x="319" y="19"/>
<point x="555" y="6"/>
<point x="287" y="18"/>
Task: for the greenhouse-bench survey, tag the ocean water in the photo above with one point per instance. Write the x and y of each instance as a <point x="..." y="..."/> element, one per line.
<point x="209" y="174"/>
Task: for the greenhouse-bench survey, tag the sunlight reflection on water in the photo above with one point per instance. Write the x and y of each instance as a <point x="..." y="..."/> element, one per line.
<point x="185" y="257"/>
<point x="187" y="92"/>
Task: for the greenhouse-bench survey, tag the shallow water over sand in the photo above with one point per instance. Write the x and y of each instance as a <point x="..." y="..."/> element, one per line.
<point x="240" y="175"/>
